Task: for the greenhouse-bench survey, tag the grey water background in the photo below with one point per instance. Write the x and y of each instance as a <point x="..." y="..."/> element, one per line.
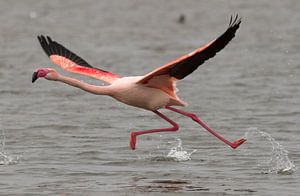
<point x="63" y="141"/>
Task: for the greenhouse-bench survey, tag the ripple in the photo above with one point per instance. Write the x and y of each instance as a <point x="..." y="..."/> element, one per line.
<point x="170" y="181"/>
<point x="245" y="190"/>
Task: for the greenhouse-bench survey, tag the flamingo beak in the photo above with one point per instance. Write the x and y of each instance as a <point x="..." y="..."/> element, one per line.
<point x="34" y="76"/>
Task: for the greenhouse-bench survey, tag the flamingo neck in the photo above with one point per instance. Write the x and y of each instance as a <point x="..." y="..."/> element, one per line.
<point x="98" y="90"/>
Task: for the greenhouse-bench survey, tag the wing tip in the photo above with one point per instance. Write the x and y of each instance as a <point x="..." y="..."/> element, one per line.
<point x="45" y="44"/>
<point x="210" y="50"/>
<point x="51" y="47"/>
<point x="54" y="48"/>
<point x="235" y="21"/>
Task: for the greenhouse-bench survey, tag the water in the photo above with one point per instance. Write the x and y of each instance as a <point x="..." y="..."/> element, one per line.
<point x="6" y="158"/>
<point x="58" y="140"/>
<point x="275" y="161"/>
<point x="169" y="151"/>
<point x="178" y="154"/>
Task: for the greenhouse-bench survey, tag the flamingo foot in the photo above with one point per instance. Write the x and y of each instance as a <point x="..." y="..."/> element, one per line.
<point x="132" y="140"/>
<point x="237" y="143"/>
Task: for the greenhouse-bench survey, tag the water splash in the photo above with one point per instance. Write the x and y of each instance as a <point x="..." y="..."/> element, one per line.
<point x="278" y="160"/>
<point x="178" y="154"/>
<point x="175" y="152"/>
<point x="6" y="158"/>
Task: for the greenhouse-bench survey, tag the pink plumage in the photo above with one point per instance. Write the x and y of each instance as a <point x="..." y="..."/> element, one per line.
<point x="152" y="91"/>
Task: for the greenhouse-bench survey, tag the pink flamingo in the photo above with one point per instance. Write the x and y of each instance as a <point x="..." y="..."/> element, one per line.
<point x="152" y="91"/>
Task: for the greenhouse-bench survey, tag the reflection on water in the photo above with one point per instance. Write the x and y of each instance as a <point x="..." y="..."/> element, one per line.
<point x="165" y="185"/>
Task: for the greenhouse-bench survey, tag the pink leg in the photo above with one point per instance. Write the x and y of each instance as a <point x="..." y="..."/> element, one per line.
<point x="196" y="119"/>
<point x="133" y="134"/>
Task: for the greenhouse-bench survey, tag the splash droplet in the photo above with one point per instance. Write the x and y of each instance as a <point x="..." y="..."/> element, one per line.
<point x="6" y="158"/>
<point x="178" y="154"/>
<point x="278" y="160"/>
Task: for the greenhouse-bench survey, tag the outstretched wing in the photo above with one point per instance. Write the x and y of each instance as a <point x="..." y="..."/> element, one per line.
<point x="71" y="62"/>
<point x="185" y="65"/>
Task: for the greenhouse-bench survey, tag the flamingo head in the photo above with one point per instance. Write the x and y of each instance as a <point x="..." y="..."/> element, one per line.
<point x="49" y="74"/>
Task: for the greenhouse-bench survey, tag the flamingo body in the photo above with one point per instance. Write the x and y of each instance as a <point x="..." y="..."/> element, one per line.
<point x="130" y="92"/>
<point x="152" y="91"/>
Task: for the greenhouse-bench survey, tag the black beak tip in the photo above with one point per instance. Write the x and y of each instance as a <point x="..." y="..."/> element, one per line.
<point x="34" y="77"/>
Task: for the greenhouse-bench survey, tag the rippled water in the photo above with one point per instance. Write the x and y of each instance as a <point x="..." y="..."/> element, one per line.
<point x="57" y="140"/>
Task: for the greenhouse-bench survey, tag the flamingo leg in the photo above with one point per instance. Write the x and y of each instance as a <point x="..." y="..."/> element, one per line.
<point x="195" y="118"/>
<point x="133" y="134"/>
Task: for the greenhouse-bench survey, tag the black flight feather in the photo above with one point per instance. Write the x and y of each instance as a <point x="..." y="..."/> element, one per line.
<point x="53" y="48"/>
<point x="185" y="67"/>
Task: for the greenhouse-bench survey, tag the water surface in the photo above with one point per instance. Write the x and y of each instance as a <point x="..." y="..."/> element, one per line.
<point x="60" y="140"/>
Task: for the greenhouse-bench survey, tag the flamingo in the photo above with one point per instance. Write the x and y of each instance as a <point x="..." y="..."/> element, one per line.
<point x="153" y="91"/>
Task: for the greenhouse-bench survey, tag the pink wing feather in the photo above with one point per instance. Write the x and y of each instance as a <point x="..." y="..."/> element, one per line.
<point x="71" y="62"/>
<point x="70" y="66"/>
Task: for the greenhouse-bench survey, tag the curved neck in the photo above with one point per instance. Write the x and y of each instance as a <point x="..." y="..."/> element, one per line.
<point x="98" y="90"/>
